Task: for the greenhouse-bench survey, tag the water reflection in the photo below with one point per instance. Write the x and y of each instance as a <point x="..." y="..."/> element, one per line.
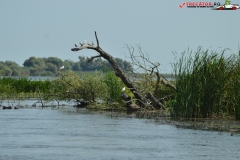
<point x="70" y="133"/>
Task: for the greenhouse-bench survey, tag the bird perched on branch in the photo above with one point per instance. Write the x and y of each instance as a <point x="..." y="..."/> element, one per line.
<point x="123" y="89"/>
<point x="61" y="68"/>
<point x="76" y="44"/>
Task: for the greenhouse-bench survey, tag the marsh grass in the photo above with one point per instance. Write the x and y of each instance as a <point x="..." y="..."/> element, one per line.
<point x="21" y="87"/>
<point x="207" y="84"/>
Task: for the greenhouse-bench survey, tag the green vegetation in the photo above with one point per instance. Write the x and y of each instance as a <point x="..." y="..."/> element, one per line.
<point x="23" y="85"/>
<point x="12" y="88"/>
<point x="101" y="89"/>
<point x="50" y="66"/>
<point x="207" y="84"/>
<point x="114" y="86"/>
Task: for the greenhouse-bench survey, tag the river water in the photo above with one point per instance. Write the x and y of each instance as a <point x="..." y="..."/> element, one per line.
<point x="69" y="134"/>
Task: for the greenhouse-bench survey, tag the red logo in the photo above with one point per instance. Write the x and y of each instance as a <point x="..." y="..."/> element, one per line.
<point x="181" y="5"/>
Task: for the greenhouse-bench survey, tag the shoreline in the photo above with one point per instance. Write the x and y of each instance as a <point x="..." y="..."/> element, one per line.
<point x="158" y="117"/>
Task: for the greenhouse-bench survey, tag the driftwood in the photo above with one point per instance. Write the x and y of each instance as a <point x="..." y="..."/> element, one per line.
<point x="81" y="103"/>
<point x="4" y="107"/>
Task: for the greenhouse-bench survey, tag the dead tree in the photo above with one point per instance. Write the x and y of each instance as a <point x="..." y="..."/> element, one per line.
<point x="114" y="65"/>
<point x="118" y="71"/>
<point x="151" y="68"/>
<point x="147" y="65"/>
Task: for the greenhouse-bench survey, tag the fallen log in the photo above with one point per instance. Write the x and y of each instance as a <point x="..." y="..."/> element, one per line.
<point x="130" y="105"/>
<point x="156" y="103"/>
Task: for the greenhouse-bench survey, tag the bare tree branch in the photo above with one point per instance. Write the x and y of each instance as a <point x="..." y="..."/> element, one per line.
<point x="93" y="57"/>
<point x="97" y="39"/>
<point x="148" y="66"/>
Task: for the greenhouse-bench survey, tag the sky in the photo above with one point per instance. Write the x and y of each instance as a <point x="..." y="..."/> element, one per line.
<point x="49" y="28"/>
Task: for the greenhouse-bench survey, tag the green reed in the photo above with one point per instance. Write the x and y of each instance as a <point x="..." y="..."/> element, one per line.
<point x="14" y="87"/>
<point x="207" y="84"/>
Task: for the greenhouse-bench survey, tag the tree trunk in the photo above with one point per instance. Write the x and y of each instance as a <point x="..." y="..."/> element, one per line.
<point x="131" y="106"/>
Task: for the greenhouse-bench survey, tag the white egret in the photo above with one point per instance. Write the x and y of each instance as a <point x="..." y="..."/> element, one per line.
<point x="123" y="89"/>
<point x="61" y="67"/>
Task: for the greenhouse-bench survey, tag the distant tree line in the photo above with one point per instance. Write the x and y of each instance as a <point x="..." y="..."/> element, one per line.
<point x="34" y="66"/>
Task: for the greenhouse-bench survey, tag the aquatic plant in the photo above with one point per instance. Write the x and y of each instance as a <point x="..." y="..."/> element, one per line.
<point x="205" y="82"/>
<point x="13" y="86"/>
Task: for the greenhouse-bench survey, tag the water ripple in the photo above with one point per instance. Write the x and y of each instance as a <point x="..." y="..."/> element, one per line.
<point x="60" y="134"/>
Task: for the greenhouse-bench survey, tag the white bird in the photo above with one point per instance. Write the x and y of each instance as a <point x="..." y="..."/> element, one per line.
<point x="84" y="41"/>
<point x="123" y="89"/>
<point x="76" y="44"/>
<point x="93" y="43"/>
<point x="61" y="67"/>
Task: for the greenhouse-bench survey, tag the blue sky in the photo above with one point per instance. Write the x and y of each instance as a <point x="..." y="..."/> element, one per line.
<point x="44" y="28"/>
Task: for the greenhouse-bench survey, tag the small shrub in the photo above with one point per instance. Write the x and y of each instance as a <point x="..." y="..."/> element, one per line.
<point x="114" y="86"/>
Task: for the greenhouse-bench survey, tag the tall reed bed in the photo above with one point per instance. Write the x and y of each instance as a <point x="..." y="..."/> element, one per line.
<point x="11" y="86"/>
<point x="207" y="84"/>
